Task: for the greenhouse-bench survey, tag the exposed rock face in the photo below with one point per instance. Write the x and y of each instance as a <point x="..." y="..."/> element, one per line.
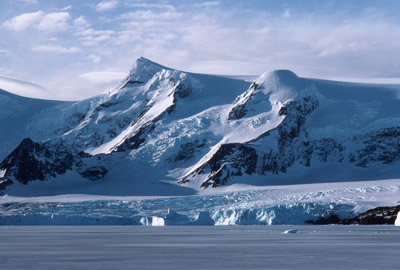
<point x="230" y="160"/>
<point x="241" y="107"/>
<point x="134" y="141"/>
<point x="32" y="161"/>
<point x="188" y="150"/>
<point x="376" y="216"/>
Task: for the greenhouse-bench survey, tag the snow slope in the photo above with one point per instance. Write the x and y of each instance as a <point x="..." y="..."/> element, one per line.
<point x="169" y="132"/>
<point x="16" y="116"/>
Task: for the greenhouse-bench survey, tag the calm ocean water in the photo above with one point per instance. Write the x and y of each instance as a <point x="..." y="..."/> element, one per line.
<point x="225" y="247"/>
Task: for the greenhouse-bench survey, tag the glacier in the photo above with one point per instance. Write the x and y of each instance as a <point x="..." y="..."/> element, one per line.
<point x="237" y="205"/>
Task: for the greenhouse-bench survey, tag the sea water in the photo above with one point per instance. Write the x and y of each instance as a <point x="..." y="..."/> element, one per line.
<point x="208" y="247"/>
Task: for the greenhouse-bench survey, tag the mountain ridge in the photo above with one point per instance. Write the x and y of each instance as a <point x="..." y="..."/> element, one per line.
<point x="164" y="131"/>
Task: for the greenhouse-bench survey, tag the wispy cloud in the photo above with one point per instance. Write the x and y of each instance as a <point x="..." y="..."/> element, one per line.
<point x="6" y="52"/>
<point x="23" y="88"/>
<point x="28" y="2"/>
<point x="56" y="49"/>
<point x="209" y="4"/>
<point x="56" y="21"/>
<point x="94" y="58"/>
<point x="223" y="37"/>
<point x="150" y="15"/>
<point x="101" y="77"/>
<point x="81" y="22"/>
<point x="41" y="21"/>
<point x="287" y="14"/>
<point x="89" y="35"/>
<point x="23" y="21"/>
<point x="66" y="8"/>
<point x="106" y="5"/>
<point x="152" y="5"/>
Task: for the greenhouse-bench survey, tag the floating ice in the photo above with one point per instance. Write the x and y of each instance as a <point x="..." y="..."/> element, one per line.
<point x="157" y="221"/>
<point x="290" y="231"/>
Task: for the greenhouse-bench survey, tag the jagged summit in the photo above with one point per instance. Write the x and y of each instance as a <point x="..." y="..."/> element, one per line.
<point x="144" y="69"/>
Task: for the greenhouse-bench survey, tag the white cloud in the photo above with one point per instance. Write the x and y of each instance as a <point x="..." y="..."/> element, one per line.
<point x="92" y="32"/>
<point x="28" y="2"/>
<point x="201" y="38"/>
<point x="209" y="4"/>
<point x="95" y="40"/>
<point x="148" y="6"/>
<point x="81" y="22"/>
<point x="106" y="5"/>
<point x="23" y="21"/>
<point x="101" y="77"/>
<point x="148" y="15"/>
<point x="66" y="8"/>
<point x="128" y="36"/>
<point x="89" y="35"/>
<point x="6" y="52"/>
<point x="56" y="49"/>
<point x="287" y="14"/>
<point x="56" y="21"/>
<point x="94" y="58"/>
<point x="50" y="22"/>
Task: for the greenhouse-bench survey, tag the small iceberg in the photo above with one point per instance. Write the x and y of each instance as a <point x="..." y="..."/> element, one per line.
<point x="157" y="221"/>
<point x="397" y="222"/>
<point x="290" y="231"/>
<point x="173" y="218"/>
<point x="152" y="221"/>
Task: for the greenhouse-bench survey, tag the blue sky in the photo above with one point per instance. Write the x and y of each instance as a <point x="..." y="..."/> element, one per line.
<point x="76" y="49"/>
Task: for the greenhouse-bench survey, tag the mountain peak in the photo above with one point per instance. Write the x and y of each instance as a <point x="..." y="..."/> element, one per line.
<point x="282" y="76"/>
<point x="143" y="69"/>
<point x="146" y="62"/>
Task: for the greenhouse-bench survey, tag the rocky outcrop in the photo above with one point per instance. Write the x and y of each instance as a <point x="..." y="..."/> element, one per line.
<point x="188" y="150"/>
<point x="230" y="160"/>
<point x="241" y="108"/>
<point x="32" y="161"/>
<point x="376" y="216"/>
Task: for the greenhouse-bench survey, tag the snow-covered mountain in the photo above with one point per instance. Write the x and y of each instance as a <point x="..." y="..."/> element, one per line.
<point x="20" y="117"/>
<point x="168" y="132"/>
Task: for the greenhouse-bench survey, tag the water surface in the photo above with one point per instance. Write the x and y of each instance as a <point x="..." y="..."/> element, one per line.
<point x="180" y="247"/>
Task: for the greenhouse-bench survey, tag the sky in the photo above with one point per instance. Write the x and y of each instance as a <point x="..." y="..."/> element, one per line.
<point x="73" y="49"/>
